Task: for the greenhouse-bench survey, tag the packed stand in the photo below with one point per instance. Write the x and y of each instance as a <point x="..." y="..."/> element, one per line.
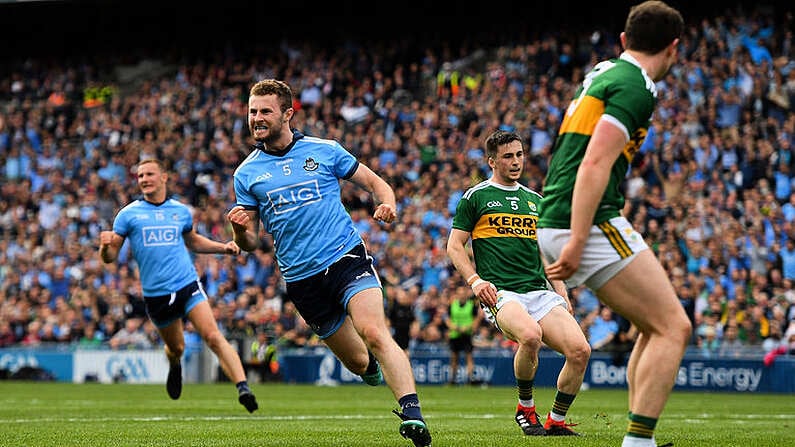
<point x="712" y="191"/>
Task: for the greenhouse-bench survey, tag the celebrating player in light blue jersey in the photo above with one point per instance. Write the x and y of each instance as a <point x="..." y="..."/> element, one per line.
<point x="158" y="230"/>
<point x="291" y="183"/>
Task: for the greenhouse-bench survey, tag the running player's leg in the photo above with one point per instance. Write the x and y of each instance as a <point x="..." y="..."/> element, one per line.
<point x="642" y="293"/>
<point x="165" y="312"/>
<point x="202" y="318"/>
<point x="174" y="346"/>
<point x="366" y="310"/>
<point x="174" y="341"/>
<point x="367" y="313"/>
<point x="349" y="348"/>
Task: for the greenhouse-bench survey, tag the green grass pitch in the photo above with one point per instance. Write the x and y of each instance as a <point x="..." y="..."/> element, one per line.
<point x="36" y="414"/>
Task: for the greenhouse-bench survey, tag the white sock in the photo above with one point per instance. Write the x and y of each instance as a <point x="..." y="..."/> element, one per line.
<point x="631" y="441"/>
<point x="527" y="403"/>
<point x="556" y="417"/>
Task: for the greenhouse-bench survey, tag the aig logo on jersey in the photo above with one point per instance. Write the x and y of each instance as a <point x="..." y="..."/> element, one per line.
<point x="160" y="235"/>
<point x="292" y="197"/>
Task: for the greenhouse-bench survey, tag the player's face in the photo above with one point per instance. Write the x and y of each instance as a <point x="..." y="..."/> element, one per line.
<point x="151" y="180"/>
<point x="266" y="121"/>
<point x="508" y="163"/>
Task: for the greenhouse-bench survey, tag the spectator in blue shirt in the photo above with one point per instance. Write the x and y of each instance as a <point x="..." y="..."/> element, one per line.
<point x="602" y="330"/>
<point x="787" y="255"/>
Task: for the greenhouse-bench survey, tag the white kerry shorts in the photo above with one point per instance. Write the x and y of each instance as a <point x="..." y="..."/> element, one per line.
<point x="537" y="303"/>
<point x="610" y="247"/>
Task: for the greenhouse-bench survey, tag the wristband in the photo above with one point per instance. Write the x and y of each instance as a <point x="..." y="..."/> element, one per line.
<point x="471" y="279"/>
<point x="477" y="282"/>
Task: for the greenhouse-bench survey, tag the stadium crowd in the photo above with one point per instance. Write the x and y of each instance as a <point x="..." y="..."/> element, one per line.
<point x="713" y="190"/>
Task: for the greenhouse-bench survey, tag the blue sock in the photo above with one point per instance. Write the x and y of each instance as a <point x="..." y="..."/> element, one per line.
<point x="410" y="406"/>
<point x="242" y="387"/>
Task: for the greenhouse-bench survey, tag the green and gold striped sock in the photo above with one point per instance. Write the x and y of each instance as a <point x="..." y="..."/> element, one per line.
<point x="561" y="404"/>
<point x="641" y="426"/>
<point x="525" y="388"/>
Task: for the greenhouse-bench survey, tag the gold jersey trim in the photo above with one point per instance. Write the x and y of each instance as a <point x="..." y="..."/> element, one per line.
<point x="582" y="116"/>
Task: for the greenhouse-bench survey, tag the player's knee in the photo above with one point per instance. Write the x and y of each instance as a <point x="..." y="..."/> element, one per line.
<point x="674" y="329"/>
<point x="529" y="338"/>
<point x="579" y="354"/>
<point x="682" y="330"/>
<point x="374" y="337"/>
<point x="214" y="340"/>
<point x="357" y="363"/>
<point x="176" y="349"/>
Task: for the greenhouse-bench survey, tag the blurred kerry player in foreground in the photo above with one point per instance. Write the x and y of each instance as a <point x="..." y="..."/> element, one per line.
<point x="159" y="229"/>
<point x="291" y="182"/>
<point x="581" y="230"/>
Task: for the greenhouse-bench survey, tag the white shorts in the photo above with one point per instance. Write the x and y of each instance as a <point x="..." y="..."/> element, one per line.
<point x="538" y="303"/>
<point x="610" y="247"/>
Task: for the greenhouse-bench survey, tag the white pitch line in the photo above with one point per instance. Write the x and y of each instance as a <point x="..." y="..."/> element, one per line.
<point x="703" y="417"/>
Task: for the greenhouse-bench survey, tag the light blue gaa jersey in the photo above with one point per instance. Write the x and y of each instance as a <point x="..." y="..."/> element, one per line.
<point x="297" y="195"/>
<point x="154" y="233"/>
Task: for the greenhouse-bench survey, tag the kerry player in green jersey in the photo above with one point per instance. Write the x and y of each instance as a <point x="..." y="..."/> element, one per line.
<point x="581" y="230"/>
<point x="507" y="276"/>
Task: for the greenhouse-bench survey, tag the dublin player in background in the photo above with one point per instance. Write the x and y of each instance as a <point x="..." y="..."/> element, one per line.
<point x="160" y="232"/>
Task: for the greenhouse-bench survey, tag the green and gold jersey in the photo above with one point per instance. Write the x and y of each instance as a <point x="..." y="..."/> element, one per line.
<point x="502" y="224"/>
<point x="618" y="90"/>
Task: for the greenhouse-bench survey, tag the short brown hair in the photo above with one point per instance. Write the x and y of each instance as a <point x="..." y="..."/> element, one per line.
<point x="651" y="26"/>
<point x="274" y="87"/>
<point x="500" y="138"/>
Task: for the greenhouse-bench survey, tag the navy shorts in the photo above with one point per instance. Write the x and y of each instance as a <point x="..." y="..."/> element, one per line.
<point x="322" y="299"/>
<point x="461" y="343"/>
<point x="165" y="309"/>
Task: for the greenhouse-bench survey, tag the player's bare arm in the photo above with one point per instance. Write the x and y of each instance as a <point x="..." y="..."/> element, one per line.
<point x="245" y="226"/>
<point x="386" y="210"/>
<point x="592" y="177"/>
<point x="109" y="245"/>
<point x="200" y="244"/>
<point x="457" y="252"/>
